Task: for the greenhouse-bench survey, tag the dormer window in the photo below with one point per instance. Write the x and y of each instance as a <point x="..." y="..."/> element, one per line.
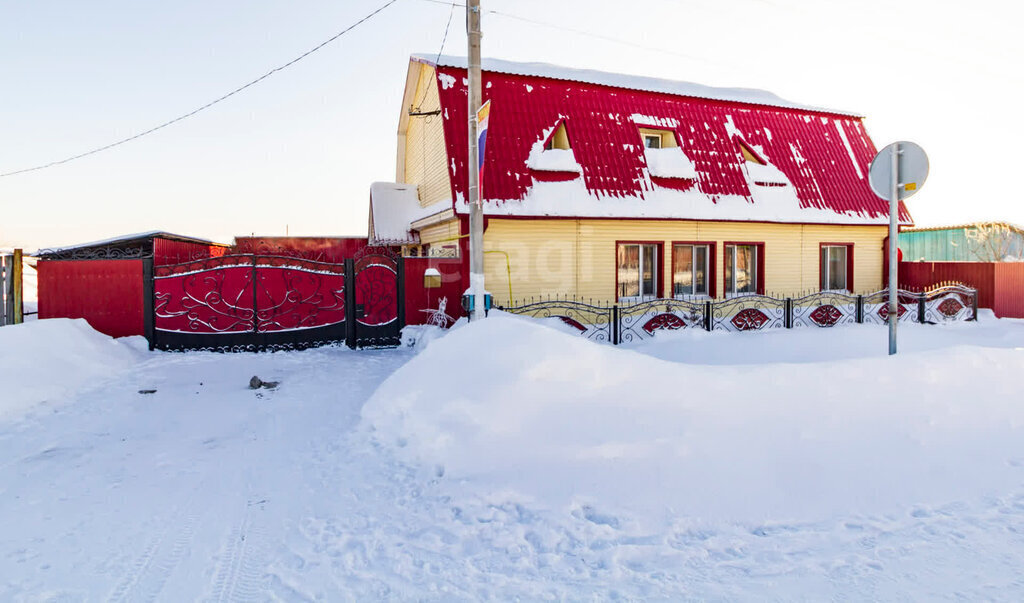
<point x="667" y="164"/>
<point x="559" y="139"/>
<point x="750" y="155"/>
<point x="759" y="170"/>
<point x="658" y="139"/>
<point x="551" y="158"/>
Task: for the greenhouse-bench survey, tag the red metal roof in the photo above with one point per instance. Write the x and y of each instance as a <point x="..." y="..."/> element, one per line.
<point x="806" y="145"/>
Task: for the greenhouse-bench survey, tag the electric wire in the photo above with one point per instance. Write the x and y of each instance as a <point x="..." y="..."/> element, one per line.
<point x="440" y="51"/>
<point x="209" y="104"/>
<point x="582" y="32"/>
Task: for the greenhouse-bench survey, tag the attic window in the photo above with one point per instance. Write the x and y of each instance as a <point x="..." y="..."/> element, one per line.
<point x="559" y="139"/>
<point x="658" y="139"/>
<point x="667" y="164"/>
<point x="750" y="155"/>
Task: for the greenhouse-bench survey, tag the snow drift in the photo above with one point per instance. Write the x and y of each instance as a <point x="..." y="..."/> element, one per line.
<point x="53" y="358"/>
<point x="509" y="405"/>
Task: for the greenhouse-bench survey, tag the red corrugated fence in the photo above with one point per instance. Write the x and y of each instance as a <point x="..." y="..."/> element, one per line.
<point x="107" y="293"/>
<point x="1000" y="285"/>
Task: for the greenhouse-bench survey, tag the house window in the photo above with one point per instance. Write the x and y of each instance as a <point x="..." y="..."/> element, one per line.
<point x="637" y="270"/>
<point x="835" y="267"/>
<point x="742" y="263"/>
<point x="690" y="269"/>
<point x="559" y="139"/>
<point x="654" y="138"/>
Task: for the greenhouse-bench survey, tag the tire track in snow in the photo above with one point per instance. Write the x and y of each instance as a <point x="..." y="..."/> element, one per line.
<point x="238" y="576"/>
<point x="150" y="571"/>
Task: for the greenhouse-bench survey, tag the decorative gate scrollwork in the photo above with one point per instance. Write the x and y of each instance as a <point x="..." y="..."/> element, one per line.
<point x="377" y="299"/>
<point x="267" y="302"/>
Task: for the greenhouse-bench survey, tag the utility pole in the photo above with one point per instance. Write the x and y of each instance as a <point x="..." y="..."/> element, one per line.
<point x="476" y="213"/>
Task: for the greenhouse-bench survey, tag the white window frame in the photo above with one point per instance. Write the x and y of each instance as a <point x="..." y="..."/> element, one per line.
<point x="693" y="281"/>
<point x="653" y="137"/>
<point x="825" y="267"/>
<point x="640" y="272"/>
<point x="730" y="271"/>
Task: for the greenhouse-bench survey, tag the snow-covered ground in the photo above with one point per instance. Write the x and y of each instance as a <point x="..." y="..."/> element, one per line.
<point x="510" y="459"/>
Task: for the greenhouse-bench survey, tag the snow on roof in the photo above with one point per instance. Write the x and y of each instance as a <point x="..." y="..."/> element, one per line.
<point x="750" y="96"/>
<point x="571" y="199"/>
<point x="816" y="170"/>
<point x="129" y="238"/>
<point x="393" y="207"/>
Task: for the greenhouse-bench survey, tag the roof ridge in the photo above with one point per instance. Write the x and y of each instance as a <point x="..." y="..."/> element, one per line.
<point x="749" y="96"/>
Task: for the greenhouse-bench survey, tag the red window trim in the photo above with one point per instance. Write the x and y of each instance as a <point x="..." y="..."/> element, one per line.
<point x="712" y="265"/>
<point x="760" y="288"/>
<point x="659" y="286"/>
<point x="849" y="263"/>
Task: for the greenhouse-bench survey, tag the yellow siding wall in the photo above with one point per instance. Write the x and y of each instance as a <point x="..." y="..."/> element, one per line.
<point x="439" y="232"/>
<point x="425" y="152"/>
<point x="578" y="257"/>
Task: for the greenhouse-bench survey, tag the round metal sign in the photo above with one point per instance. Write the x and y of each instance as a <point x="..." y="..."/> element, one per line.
<point x="913" y="170"/>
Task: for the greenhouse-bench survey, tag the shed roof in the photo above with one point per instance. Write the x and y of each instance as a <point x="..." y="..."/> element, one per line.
<point x="141" y="240"/>
<point x="393" y="207"/>
<point x="817" y="159"/>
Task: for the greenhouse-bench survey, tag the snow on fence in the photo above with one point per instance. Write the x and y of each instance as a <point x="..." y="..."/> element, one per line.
<point x="624" y="323"/>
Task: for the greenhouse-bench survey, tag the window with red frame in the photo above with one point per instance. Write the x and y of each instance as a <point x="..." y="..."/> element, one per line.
<point x="743" y="264"/>
<point x="691" y="269"/>
<point x="637" y="274"/>
<point x="835" y="267"/>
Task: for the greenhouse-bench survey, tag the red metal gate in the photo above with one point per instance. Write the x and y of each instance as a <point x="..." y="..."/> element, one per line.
<point x="377" y="298"/>
<point x="259" y="302"/>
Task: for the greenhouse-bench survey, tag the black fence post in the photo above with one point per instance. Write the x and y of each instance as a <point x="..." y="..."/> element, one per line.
<point x="350" y="303"/>
<point x="789" y="312"/>
<point x="147" y="302"/>
<point x="921" y="307"/>
<point x="860" y="309"/>
<point x="708" y="307"/>
<point x="974" y="305"/>
<point x="615" y="324"/>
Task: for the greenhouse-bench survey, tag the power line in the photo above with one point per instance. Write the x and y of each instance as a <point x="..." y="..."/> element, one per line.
<point x="582" y="32"/>
<point x="439" y="52"/>
<point x="211" y="103"/>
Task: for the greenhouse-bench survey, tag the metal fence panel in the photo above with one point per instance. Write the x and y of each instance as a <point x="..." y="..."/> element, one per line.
<point x="630" y="322"/>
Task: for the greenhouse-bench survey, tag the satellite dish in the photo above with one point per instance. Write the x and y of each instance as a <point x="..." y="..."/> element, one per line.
<point x="913" y="170"/>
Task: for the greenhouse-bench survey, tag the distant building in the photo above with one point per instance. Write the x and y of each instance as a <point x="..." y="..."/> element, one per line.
<point x="620" y="188"/>
<point x="976" y="242"/>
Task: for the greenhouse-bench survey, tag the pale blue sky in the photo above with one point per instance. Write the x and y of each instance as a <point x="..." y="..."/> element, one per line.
<point x="301" y="148"/>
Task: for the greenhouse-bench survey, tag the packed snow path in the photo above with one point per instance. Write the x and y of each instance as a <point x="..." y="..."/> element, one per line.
<point x="204" y="489"/>
<point x="207" y="490"/>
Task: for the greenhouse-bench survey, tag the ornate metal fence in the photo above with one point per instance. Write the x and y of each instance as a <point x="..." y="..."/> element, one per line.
<point x="625" y="323"/>
<point x="641" y="320"/>
<point x="593" y="321"/>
